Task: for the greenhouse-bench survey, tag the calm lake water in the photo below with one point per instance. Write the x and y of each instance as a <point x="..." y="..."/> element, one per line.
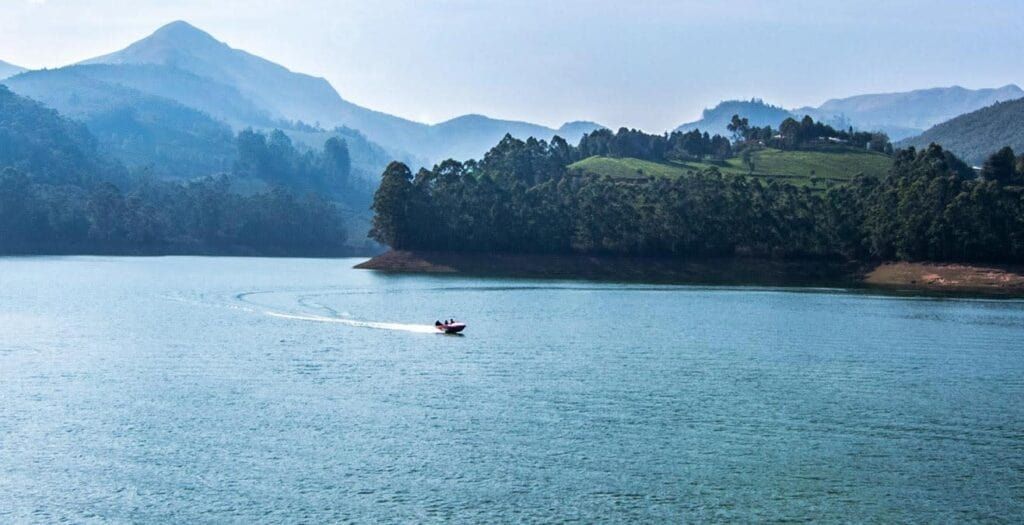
<point x="231" y="389"/>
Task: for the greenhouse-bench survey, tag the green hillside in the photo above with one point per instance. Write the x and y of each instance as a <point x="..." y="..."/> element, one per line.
<point x="36" y="140"/>
<point x="832" y="165"/>
<point x="628" y="168"/>
<point x="974" y="136"/>
<point x="797" y="167"/>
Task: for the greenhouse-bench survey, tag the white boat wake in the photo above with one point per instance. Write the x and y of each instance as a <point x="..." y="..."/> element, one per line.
<point x="255" y="308"/>
<point x="416" y="328"/>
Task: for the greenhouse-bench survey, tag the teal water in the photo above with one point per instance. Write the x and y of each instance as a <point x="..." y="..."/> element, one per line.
<point x="270" y="390"/>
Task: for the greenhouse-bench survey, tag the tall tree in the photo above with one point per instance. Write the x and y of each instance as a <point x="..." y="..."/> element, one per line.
<point x="739" y="127"/>
<point x="338" y="161"/>
<point x="1000" y="166"/>
<point x="391" y="221"/>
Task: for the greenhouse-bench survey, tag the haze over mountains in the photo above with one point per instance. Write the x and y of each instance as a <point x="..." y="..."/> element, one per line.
<point x="285" y="95"/>
<point x="900" y="115"/>
<point x="140" y="129"/>
<point x="9" y="70"/>
<point x="177" y="96"/>
<point x="909" y="113"/>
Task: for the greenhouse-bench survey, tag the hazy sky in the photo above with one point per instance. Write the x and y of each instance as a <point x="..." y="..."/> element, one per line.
<point x="648" y="64"/>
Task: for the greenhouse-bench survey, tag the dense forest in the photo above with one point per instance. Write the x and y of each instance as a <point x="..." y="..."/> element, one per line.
<point x="520" y="198"/>
<point x="60" y="194"/>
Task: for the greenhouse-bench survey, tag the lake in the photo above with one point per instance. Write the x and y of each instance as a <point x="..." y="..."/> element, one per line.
<point x="194" y="389"/>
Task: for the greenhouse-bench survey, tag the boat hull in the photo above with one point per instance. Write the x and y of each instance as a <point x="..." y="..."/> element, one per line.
<point x="452" y="328"/>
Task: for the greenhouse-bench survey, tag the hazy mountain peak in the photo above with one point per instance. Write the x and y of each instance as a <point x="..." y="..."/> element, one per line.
<point x="292" y="96"/>
<point x="464" y="119"/>
<point x="284" y="94"/>
<point x="173" y="44"/>
<point x="183" y="33"/>
<point x="180" y="25"/>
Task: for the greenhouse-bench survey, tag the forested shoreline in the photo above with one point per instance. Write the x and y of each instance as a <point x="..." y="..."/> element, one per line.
<point x="158" y="218"/>
<point x="59" y="193"/>
<point x="520" y="199"/>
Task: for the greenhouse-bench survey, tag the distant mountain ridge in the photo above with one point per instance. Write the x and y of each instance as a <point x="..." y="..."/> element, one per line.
<point x="186" y="65"/>
<point x="9" y="70"/>
<point x="908" y="113"/>
<point x="900" y="115"/>
<point x="286" y="95"/>
<point x="976" y="135"/>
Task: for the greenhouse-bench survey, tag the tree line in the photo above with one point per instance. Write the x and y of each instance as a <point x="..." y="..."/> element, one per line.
<point x="806" y="134"/>
<point x="521" y="198"/>
<point x="695" y="145"/>
<point x="202" y="216"/>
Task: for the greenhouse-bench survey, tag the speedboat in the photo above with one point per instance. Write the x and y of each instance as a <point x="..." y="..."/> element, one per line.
<point x="451" y="327"/>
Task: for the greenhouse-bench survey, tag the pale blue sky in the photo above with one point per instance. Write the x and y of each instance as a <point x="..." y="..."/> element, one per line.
<point x="649" y="64"/>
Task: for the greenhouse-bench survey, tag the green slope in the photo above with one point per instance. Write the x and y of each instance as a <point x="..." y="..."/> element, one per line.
<point x="628" y="168"/>
<point x="797" y="167"/>
<point x="836" y="166"/>
<point x="975" y="136"/>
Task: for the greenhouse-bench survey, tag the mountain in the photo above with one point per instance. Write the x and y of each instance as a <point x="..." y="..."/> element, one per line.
<point x="9" y="70"/>
<point x="282" y="93"/>
<point x="976" y="135"/>
<point x="216" y="99"/>
<point x="286" y="95"/>
<point x="760" y="114"/>
<point x="908" y="113"/>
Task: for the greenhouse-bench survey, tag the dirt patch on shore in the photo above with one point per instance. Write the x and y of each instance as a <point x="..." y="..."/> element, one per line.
<point x="942" y="277"/>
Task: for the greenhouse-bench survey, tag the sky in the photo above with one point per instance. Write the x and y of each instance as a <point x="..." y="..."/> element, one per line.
<point x="636" y="63"/>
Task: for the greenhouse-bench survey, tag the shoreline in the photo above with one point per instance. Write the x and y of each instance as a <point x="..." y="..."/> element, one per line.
<point x="182" y="250"/>
<point x="990" y="280"/>
<point x="895" y="277"/>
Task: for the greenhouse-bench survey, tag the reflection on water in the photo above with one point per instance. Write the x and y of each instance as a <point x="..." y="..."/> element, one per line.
<point x="197" y="389"/>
